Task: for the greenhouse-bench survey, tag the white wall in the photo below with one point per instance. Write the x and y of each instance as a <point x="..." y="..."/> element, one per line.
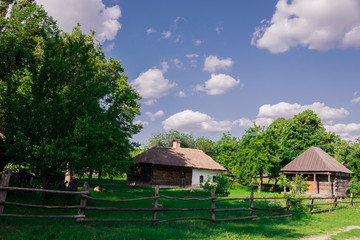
<point x="196" y="173"/>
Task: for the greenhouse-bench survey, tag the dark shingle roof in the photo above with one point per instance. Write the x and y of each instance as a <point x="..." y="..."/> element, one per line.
<point x="315" y="160"/>
<point x="181" y="157"/>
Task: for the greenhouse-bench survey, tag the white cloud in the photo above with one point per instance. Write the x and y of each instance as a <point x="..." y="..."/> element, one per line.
<point x="181" y="94"/>
<point x="177" y="20"/>
<point x="150" y="31"/>
<point x="110" y="47"/>
<point x="218" y="84"/>
<point x="166" y="35"/>
<point x="155" y="115"/>
<point x="355" y="100"/>
<point x="192" y="55"/>
<point x="177" y="63"/>
<point x="165" y="66"/>
<point x="218" y="29"/>
<point x="190" y="121"/>
<point x="178" y="39"/>
<point x="346" y="131"/>
<point x="92" y="14"/>
<point x="213" y="63"/>
<point x="269" y="113"/>
<point x="288" y="110"/>
<point x="150" y="102"/>
<point x="152" y="84"/>
<point x="198" y="42"/>
<point x="247" y="123"/>
<point x="355" y="93"/>
<point x="315" y="24"/>
<point x="142" y="123"/>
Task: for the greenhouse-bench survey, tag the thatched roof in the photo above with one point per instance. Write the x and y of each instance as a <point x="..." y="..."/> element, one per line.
<point x="180" y="157"/>
<point x="315" y="160"/>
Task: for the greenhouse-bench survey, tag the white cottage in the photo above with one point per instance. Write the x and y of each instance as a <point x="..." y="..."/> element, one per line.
<point x="173" y="167"/>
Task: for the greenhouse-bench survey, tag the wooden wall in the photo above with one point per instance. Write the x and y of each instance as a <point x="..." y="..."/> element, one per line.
<point x="149" y="174"/>
<point x="338" y="185"/>
<point x="168" y="175"/>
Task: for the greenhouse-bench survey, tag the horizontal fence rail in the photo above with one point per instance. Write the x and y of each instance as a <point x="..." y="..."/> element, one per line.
<point x="285" y="206"/>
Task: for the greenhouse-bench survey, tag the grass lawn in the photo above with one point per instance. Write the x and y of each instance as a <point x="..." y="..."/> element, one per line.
<point x="296" y="227"/>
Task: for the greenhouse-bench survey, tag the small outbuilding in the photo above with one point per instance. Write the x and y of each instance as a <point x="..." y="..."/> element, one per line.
<point x="173" y="167"/>
<point x="325" y="175"/>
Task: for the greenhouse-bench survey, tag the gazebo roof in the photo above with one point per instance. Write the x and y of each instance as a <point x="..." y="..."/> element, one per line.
<point x="315" y="160"/>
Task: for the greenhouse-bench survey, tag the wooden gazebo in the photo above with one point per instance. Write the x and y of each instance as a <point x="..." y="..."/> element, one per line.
<point x="326" y="176"/>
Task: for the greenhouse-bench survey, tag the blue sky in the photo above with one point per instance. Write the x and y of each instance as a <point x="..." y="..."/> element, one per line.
<point x="207" y="67"/>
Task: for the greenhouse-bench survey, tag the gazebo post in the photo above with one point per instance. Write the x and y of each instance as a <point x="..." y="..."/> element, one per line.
<point x="329" y="182"/>
<point x="315" y="184"/>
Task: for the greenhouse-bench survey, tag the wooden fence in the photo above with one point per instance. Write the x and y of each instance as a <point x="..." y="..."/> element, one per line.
<point x="290" y="203"/>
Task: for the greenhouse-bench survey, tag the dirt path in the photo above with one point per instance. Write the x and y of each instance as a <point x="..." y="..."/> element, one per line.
<point x="324" y="237"/>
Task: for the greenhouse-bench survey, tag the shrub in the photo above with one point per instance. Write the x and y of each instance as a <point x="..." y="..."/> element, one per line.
<point x="221" y="185"/>
<point x="354" y="186"/>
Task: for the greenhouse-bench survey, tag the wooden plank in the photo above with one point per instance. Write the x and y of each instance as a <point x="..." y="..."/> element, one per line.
<point x="270" y="209"/>
<point x="232" y="209"/>
<point x="118" y="200"/>
<point x="146" y="209"/>
<point x="185" y="199"/>
<point x="231" y="199"/>
<point x="280" y="216"/>
<point x="323" y="210"/>
<point x="4" y="182"/>
<point x="112" y="220"/>
<point x="42" y="190"/>
<point x="39" y="206"/>
<point x="234" y="219"/>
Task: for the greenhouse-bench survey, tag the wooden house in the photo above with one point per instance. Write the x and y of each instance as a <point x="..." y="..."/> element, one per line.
<point x="325" y="175"/>
<point x="173" y="167"/>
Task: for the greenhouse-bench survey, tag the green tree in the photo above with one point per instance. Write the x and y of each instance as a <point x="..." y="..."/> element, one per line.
<point x="227" y="152"/>
<point x="301" y="132"/>
<point x="257" y="155"/>
<point x="64" y="104"/>
<point x="164" y="139"/>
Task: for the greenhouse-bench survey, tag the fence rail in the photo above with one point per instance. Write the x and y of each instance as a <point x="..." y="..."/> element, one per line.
<point x="290" y="203"/>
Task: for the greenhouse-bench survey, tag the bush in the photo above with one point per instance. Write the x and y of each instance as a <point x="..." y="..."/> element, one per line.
<point x="221" y="185"/>
<point x="354" y="186"/>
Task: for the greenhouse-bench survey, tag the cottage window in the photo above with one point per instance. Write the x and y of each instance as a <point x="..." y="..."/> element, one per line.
<point x="201" y="179"/>
<point x="214" y="178"/>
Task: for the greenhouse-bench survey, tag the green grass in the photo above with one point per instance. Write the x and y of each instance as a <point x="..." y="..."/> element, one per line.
<point x="346" y="235"/>
<point x="285" y="228"/>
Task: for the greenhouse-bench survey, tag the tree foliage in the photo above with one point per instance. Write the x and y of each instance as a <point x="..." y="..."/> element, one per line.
<point x="65" y="104"/>
<point x="164" y="139"/>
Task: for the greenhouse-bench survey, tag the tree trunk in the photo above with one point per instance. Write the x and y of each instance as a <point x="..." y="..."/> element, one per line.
<point x="90" y="175"/>
<point x="260" y="181"/>
<point x="100" y="173"/>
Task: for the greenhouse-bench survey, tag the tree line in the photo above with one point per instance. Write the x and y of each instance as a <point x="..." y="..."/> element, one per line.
<point x="263" y="150"/>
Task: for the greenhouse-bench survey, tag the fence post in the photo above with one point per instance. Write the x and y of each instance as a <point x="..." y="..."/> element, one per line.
<point x="287" y="204"/>
<point x="156" y="201"/>
<point x="335" y="202"/>
<point x="213" y="197"/>
<point x="311" y="204"/>
<point x="252" y="203"/>
<point x="352" y="199"/>
<point x="83" y="202"/>
<point x="4" y="182"/>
